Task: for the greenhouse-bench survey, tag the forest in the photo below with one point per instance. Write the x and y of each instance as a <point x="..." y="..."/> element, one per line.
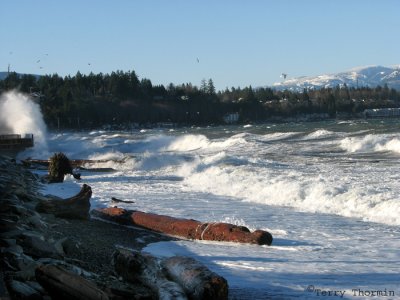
<point x="121" y="99"/>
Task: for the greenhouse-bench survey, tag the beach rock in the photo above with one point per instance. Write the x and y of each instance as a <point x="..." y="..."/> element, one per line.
<point x="16" y="261"/>
<point x="36" y="286"/>
<point x="13" y="249"/>
<point x="4" y="243"/>
<point x="37" y="246"/>
<point x="9" y="206"/>
<point x="36" y="222"/>
<point x="20" y="290"/>
<point x="65" y="246"/>
<point x="14" y="233"/>
<point x="8" y="223"/>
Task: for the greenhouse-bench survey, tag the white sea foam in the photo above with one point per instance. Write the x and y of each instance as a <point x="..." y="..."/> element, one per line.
<point x="320" y="133"/>
<point x="195" y="142"/>
<point x="20" y="115"/>
<point x="371" y="143"/>
<point x="312" y="193"/>
<point x="278" y="136"/>
<point x="316" y="204"/>
<point x="188" y="143"/>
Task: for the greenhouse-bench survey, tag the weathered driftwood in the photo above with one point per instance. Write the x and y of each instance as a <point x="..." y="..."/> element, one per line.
<point x="75" y="163"/>
<point x="187" y="228"/>
<point x="196" y="279"/>
<point x="135" y="266"/>
<point x="76" y="207"/>
<point x="113" y="199"/>
<point x="61" y="284"/>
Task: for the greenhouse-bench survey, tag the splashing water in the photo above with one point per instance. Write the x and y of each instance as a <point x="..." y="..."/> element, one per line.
<point x="20" y="115"/>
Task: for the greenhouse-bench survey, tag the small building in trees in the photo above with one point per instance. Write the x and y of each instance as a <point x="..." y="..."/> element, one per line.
<point x="231" y="118"/>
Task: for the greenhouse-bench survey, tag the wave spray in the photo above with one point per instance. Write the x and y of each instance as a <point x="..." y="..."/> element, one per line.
<point x="20" y="115"/>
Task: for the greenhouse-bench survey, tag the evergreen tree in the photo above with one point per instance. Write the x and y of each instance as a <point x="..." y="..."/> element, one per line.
<point x="210" y="87"/>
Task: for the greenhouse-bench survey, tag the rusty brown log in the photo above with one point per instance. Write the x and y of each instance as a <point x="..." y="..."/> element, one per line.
<point x="62" y="284"/>
<point x="187" y="228"/>
<point x="196" y="279"/>
<point x="135" y="266"/>
<point x="76" y="207"/>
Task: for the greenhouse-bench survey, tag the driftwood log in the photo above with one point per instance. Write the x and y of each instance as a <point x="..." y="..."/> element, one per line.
<point x="135" y="266"/>
<point x="61" y="284"/>
<point x="196" y="279"/>
<point x="76" y="207"/>
<point x="113" y="199"/>
<point x="75" y="163"/>
<point x="187" y="228"/>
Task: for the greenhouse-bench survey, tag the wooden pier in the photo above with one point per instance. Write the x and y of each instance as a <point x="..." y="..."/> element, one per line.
<point x="11" y="144"/>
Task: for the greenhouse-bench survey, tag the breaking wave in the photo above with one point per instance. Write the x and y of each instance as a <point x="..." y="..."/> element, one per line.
<point x="371" y="143"/>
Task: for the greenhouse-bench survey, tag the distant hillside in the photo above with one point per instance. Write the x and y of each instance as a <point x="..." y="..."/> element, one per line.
<point x="3" y="75"/>
<point x="369" y="76"/>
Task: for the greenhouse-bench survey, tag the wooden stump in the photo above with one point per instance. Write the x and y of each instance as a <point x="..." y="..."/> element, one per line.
<point x="76" y="207"/>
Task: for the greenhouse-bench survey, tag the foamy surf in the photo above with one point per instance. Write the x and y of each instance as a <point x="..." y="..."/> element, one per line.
<point x="333" y="212"/>
<point x="371" y="143"/>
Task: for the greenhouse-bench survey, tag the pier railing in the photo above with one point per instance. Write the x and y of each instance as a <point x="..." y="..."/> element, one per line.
<point x="15" y="141"/>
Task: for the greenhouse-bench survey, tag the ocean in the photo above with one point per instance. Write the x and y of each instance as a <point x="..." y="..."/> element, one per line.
<point x="327" y="191"/>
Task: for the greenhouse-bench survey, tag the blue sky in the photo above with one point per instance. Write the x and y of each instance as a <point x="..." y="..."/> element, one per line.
<point x="237" y="43"/>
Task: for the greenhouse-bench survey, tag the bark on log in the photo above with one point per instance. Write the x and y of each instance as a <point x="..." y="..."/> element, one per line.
<point x="61" y="284"/>
<point x="196" y="279"/>
<point x="76" y="207"/>
<point x="134" y="266"/>
<point x="187" y="228"/>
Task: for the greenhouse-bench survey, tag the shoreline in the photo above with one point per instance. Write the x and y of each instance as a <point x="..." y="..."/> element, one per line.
<point x="84" y="245"/>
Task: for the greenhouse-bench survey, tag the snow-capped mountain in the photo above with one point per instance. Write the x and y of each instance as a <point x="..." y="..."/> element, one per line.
<point x="370" y="76"/>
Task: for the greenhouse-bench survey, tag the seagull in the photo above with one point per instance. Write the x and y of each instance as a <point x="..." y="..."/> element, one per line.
<point x="284" y="75"/>
<point x="38" y="61"/>
<point x="198" y="60"/>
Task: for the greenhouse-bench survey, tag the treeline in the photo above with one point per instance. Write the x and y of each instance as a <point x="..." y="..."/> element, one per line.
<point x="122" y="98"/>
